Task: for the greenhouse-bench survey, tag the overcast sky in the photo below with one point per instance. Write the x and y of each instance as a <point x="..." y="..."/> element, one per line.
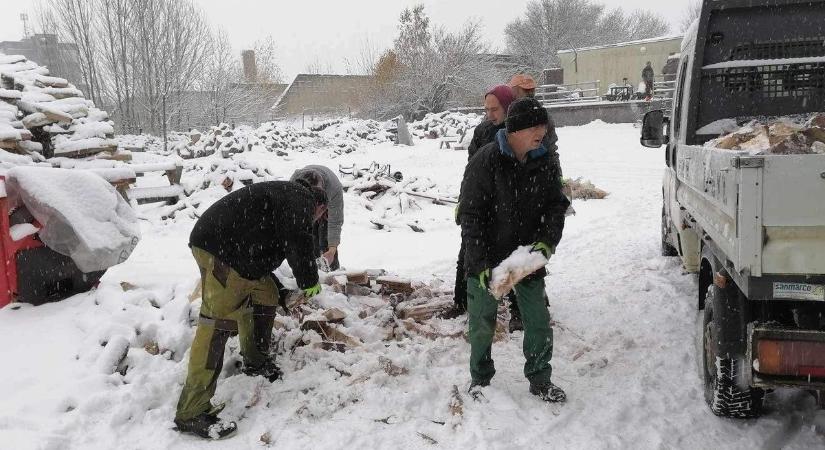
<point x="328" y="32"/>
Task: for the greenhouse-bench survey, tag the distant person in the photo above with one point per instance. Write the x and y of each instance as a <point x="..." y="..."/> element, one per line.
<point x="647" y="77"/>
<point x="671" y="68"/>
<point x="523" y="85"/>
<point x="510" y="197"/>
<point x="327" y="229"/>
<point x="237" y="243"/>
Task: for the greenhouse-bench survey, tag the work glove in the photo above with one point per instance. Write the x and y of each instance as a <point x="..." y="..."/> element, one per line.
<point x="545" y="249"/>
<point x="484" y="279"/>
<point x="312" y="291"/>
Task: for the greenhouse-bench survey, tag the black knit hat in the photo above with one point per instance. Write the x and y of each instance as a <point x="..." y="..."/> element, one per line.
<point x="525" y="113"/>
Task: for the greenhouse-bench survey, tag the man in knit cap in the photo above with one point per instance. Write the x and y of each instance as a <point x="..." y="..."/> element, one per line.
<point x="496" y="102"/>
<point x="511" y="196"/>
<point x="523" y="85"/>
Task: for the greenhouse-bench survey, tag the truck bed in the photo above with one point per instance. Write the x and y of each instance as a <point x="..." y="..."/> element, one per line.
<point x="766" y="213"/>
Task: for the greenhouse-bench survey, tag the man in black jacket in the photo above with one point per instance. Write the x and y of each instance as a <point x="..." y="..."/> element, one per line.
<point x="237" y="243"/>
<point x="521" y="86"/>
<point x="511" y="196"/>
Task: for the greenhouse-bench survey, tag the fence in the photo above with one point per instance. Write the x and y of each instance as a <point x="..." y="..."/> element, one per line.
<point x="552" y="94"/>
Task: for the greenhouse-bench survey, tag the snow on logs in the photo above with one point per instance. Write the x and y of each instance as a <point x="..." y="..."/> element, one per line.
<point x="792" y="135"/>
<point x="47" y="115"/>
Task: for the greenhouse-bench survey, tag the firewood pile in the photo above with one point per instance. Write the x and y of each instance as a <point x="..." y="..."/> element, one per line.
<point x="783" y="136"/>
<point x="361" y="307"/>
<point x="45" y="116"/>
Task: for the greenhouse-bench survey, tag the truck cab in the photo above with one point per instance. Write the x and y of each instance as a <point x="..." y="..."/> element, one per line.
<point x="749" y="222"/>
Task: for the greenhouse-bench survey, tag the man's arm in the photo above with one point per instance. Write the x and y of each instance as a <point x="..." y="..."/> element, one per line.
<point x="551" y="224"/>
<point x="475" y="143"/>
<point x="301" y="247"/>
<point x="335" y="217"/>
<point x="474" y="214"/>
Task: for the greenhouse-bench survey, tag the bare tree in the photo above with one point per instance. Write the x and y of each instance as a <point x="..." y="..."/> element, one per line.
<point x="71" y="20"/>
<point x="691" y="13"/>
<point x="552" y="25"/>
<point x="145" y="60"/>
<point x="318" y="67"/>
<point x="428" y="66"/>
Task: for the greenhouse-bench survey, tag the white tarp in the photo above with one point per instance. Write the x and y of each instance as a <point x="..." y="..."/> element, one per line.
<point x="82" y="215"/>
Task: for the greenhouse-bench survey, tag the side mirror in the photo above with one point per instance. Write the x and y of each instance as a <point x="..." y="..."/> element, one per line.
<point x="653" y="126"/>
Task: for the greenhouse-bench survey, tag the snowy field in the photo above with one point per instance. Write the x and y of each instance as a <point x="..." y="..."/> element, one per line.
<point x="625" y="339"/>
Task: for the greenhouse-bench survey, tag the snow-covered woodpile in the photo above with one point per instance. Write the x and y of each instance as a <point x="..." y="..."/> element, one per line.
<point x="47" y="116"/>
<point x="339" y="136"/>
<point x="794" y="135"/>
<point x="444" y="124"/>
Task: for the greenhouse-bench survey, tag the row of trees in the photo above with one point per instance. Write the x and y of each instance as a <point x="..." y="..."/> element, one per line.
<point x="428" y="67"/>
<point x="157" y="63"/>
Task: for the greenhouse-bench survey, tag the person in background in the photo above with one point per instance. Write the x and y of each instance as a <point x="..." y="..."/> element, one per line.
<point x="511" y="197"/>
<point x="523" y="85"/>
<point x="237" y="243"/>
<point x="647" y="77"/>
<point x="327" y="230"/>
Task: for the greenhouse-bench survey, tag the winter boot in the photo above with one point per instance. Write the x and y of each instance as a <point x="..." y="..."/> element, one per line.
<point x="207" y="426"/>
<point x="455" y="312"/>
<point x="476" y="390"/>
<point x="548" y="392"/>
<point x="268" y="370"/>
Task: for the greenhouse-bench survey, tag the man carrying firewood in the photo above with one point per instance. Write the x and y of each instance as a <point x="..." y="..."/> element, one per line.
<point x="512" y="196"/>
<point x="237" y="243"/>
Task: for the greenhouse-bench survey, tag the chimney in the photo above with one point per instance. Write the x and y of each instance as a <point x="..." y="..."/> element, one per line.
<point x="250" y="69"/>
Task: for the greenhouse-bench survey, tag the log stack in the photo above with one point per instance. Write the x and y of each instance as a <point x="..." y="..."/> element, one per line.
<point x="45" y="116"/>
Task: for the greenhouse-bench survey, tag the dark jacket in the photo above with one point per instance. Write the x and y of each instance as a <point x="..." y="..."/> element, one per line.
<point x="648" y="74"/>
<point x="255" y="228"/>
<point x="486" y="131"/>
<point x="483" y="134"/>
<point x="505" y="204"/>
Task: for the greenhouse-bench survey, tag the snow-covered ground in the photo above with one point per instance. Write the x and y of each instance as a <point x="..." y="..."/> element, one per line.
<point x="625" y="339"/>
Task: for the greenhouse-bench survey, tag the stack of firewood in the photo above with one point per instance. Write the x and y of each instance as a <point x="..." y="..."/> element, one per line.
<point x="46" y="116"/>
<point x="783" y="136"/>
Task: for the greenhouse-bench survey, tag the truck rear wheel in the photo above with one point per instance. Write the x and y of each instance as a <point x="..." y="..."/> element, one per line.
<point x="667" y="249"/>
<point x="726" y="393"/>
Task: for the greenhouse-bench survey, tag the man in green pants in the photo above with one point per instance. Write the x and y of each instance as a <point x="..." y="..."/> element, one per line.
<point x="511" y="196"/>
<point x="237" y="243"/>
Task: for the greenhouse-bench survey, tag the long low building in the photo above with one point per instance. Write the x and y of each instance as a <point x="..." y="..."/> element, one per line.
<point x="611" y="64"/>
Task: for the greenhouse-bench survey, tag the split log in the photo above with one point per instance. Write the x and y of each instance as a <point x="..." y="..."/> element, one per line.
<point x="424" y="311"/>
<point x="392" y="285"/>
<point x="520" y="264"/>
<point x="335" y="315"/>
<point x="360" y="278"/>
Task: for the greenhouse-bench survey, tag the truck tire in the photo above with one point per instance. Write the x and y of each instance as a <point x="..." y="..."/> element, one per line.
<point x="667" y="249"/>
<point x="725" y="394"/>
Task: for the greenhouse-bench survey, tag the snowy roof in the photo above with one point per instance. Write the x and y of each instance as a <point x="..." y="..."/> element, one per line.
<point x="625" y="44"/>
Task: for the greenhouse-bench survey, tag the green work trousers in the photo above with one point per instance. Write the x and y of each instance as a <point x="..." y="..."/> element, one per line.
<point x="538" y="335"/>
<point x="231" y="305"/>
